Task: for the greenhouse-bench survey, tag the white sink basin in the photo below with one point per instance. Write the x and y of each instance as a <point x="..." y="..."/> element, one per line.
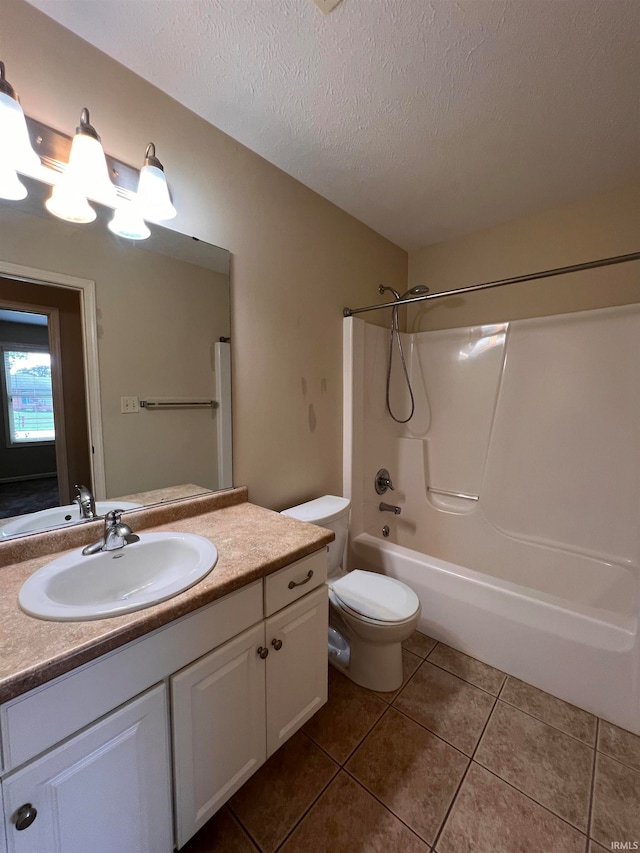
<point x="77" y="587"/>
<point x="57" y="516"/>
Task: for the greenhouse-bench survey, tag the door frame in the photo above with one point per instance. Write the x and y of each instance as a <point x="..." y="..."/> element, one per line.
<point x="60" y="443"/>
<point x="86" y="288"/>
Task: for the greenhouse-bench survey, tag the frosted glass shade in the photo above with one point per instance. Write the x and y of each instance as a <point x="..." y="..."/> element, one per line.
<point x="127" y="222"/>
<point x="87" y="173"/>
<point x="11" y="187"/>
<point x="15" y="145"/>
<point x="69" y="205"/>
<point x="153" y="195"/>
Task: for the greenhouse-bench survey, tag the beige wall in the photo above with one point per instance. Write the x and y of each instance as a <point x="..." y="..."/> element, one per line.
<point x="600" y="227"/>
<point x="297" y="259"/>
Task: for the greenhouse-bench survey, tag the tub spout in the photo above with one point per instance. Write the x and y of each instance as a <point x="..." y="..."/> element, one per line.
<point x="383" y="507"/>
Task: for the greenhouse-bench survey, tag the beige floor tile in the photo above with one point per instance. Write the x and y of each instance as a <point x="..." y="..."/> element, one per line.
<point x="597" y="848"/>
<point x="619" y="744"/>
<point x="569" y="719"/>
<point x="616" y="803"/>
<point x="275" y="798"/>
<point x="419" y="644"/>
<point x="490" y="816"/>
<point x="540" y="761"/>
<point x="468" y="668"/>
<point x="342" y="723"/>
<point x="347" y="819"/>
<point x="221" y="834"/>
<point x="446" y="705"/>
<point x="411" y="771"/>
<point x="410" y="664"/>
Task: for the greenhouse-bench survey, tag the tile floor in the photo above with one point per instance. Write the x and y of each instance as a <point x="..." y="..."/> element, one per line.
<point x="461" y="759"/>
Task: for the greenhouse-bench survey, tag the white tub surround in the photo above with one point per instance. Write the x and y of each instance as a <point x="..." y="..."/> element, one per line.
<point x="519" y="482"/>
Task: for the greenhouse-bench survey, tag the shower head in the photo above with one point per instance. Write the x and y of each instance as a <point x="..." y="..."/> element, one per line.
<point x="418" y="290"/>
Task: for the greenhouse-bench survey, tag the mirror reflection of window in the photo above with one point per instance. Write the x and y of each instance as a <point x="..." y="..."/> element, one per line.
<point x="28" y="396"/>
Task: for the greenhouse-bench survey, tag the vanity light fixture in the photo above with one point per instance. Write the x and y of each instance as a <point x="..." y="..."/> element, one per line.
<point x="128" y="222"/>
<point x="153" y="193"/>
<point x="86" y="176"/>
<point x="16" y="153"/>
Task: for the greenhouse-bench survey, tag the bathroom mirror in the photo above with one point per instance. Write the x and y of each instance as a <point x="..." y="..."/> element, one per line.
<point x="136" y="401"/>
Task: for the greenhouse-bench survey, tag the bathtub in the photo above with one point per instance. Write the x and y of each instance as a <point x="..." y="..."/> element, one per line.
<point x="584" y="650"/>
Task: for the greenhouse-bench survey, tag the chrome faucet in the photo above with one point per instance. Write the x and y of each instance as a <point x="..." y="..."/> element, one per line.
<point x="117" y="534"/>
<point x="86" y="502"/>
<point x="383" y="507"/>
<point x="383" y="481"/>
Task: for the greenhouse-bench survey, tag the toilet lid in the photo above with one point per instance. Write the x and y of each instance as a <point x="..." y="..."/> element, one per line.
<point x="376" y="596"/>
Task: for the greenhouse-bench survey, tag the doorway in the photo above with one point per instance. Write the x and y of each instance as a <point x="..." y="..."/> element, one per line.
<point x="69" y="449"/>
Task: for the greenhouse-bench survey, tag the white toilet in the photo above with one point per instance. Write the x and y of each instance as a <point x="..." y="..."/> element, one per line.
<point x="369" y="614"/>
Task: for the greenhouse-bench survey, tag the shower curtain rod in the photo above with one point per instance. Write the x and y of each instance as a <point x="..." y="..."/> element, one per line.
<point x="589" y="265"/>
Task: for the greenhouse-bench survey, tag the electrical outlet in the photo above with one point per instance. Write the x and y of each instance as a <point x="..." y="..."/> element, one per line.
<point x="128" y="405"/>
<point x="326" y="6"/>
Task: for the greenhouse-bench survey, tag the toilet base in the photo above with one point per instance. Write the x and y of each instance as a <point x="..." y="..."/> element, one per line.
<point x="374" y="666"/>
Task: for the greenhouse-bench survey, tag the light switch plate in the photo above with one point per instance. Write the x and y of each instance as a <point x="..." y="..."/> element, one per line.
<point x="128" y="405"/>
<point x="326" y="6"/>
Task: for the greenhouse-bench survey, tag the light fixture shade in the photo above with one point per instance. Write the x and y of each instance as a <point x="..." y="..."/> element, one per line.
<point x="153" y="196"/>
<point x="69" y="205"/>
<point x="15" y="145"/>
<point x="87" y="173"/>
<point x="11" y="187"/>
<point x="127" y="222"/>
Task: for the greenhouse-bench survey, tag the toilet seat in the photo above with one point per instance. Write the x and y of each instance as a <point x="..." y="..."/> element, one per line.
<point x="375" y="598"/>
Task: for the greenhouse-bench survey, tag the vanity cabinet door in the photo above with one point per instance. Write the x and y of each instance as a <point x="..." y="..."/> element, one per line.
<point x="218" y="728"/>
<point x="107" y="789"/>
<point x="297" y="665"/>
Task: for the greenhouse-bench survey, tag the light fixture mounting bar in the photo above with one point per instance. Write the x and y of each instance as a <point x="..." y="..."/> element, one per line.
<point x="53" y="147"/>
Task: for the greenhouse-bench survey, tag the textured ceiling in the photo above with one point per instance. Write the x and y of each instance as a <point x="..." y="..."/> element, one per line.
<point x="425" y="119"/>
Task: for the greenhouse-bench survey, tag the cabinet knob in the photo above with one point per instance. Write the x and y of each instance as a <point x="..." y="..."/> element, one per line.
<point x="277" y="644"/>
<point x="25" y="816"/>
<point x="262" y="652"/>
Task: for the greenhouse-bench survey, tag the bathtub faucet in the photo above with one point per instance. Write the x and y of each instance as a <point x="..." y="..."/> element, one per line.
<point x="396" y="510"/>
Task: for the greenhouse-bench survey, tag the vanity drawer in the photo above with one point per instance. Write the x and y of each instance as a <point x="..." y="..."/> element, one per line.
<point x="37" y="720"/>
<point x="294" y="581"/>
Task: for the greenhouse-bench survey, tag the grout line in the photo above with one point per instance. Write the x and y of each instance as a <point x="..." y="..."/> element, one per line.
<point x="427" y="729"/>
<point x="355" y="748"/>
<point x="245" y="831"/>
<point x="529" y="797"/>
<point x="551" y="726"/>
<point x="533" y="799"/>
<point x="384" y="806"/>
<point x="504" y="684"/>
<point x="307" y="810"/>
<point x="466" y="681"/>
<point x="593" y="786"/>
<point x="608" y="755"/>
<point x="464" y="776"/>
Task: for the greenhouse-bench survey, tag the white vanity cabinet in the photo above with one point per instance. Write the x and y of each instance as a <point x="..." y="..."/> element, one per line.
<point x="218" y="712"/>
<point x="296" y="638"/>
<point x="90" y="751"/>
<point x="104" y="790"/>
<point x="234" y="707"/>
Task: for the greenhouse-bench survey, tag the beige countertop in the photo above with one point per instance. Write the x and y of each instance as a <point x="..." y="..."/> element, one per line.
<point x="252" y="542"/>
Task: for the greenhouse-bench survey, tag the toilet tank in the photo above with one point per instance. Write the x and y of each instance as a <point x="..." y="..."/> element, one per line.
<point x="331" y="512"/>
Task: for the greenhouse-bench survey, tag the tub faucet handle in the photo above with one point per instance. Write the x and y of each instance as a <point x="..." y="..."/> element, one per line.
<point x="383" y="481"/>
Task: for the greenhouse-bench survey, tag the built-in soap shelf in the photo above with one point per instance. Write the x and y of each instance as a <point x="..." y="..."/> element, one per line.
<point x="449" y="501"/>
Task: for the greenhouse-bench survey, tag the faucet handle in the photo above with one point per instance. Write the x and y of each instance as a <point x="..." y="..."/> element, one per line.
<point x="113" y="517"/>
<point x="383" y="481"/>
